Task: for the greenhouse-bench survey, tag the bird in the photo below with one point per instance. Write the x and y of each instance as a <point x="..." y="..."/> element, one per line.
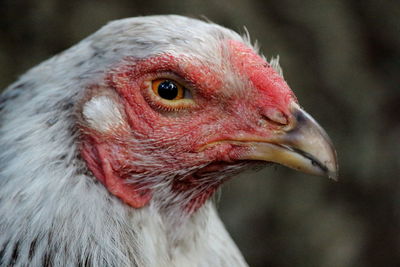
<point x="111" y="151"/>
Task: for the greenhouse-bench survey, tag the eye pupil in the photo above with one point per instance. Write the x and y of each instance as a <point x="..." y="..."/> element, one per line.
<point x="168" y="90"/>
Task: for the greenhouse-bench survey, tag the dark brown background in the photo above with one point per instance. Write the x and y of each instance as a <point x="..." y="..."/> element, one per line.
<point x="341" y="58"/>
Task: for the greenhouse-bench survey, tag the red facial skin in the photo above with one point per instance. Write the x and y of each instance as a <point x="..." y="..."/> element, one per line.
<point x="176" y="137"/>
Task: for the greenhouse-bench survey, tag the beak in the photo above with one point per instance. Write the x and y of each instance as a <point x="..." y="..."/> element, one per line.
<point x="304" y="146"/>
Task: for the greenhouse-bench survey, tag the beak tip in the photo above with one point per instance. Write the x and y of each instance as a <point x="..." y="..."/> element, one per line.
<point x="331" y="166"/>
<point x="334" y="175"/>
<point x="333" y="172"/>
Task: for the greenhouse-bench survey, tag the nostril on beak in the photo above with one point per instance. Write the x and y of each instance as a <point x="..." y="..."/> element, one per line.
<point x="275" y="116"/>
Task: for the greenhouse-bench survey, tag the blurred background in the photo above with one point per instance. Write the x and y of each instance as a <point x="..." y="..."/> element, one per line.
<point x="342" y="59"/>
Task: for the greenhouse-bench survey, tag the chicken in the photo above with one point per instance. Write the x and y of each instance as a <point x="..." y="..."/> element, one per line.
<point x="110" y="151"/>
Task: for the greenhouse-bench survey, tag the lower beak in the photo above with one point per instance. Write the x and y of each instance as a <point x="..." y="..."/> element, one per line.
<point x="304" y="147"/>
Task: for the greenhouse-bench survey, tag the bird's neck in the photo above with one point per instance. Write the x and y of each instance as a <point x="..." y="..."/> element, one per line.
<point x="198" y="240"/>
<point x="72" y="219"/>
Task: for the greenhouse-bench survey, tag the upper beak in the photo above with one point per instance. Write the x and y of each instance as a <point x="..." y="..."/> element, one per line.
<point x="304" y="146"/>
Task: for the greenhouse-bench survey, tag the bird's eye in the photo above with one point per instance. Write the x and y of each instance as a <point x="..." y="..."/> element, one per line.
<point x="168" y="89"/>
<point x="166" y="94"/>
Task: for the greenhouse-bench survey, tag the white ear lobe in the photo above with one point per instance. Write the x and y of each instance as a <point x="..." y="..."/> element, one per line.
<point x="102" y="114"/>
